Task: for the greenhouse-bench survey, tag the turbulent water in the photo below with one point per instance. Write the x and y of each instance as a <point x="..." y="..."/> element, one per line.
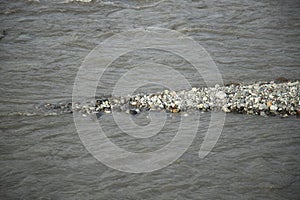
<point x="43" y="44"/>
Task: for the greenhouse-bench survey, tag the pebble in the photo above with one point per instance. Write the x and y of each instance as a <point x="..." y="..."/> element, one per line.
<point x="225" y="109"/>
<point x="269" y="103"/>
<point x="134" y="111"/>
<point x="200" y="106"/>
<point x="262" y="106"/>
<point x="273" y="107"/>
<point x="220" y="95"/>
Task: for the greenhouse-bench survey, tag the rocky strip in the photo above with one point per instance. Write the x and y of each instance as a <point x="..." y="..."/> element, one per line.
<point x="264" y="99"/>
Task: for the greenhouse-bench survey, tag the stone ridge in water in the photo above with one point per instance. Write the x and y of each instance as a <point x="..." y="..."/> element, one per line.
<point x="256" y="99"/>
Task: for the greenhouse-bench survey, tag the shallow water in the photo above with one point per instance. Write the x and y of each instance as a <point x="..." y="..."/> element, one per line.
<point x="43" y="157"/>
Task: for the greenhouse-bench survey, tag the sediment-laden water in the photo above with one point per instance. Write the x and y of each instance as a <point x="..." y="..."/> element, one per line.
<point x="43" y="44"/>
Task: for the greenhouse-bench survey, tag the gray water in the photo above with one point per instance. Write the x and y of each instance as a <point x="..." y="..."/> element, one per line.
<point x="42" y="48"/>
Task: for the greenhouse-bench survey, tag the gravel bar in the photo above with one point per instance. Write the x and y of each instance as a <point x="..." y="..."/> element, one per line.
<point x="263" y="98"/>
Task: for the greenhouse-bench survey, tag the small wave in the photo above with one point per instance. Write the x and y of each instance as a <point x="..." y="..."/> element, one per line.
<point x="117" y="4"/>
<point x="83" y="1"/>
<point x="28" y="114"/>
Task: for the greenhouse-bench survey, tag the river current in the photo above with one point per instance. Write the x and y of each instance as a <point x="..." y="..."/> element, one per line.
<point x="43" y="44"/>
